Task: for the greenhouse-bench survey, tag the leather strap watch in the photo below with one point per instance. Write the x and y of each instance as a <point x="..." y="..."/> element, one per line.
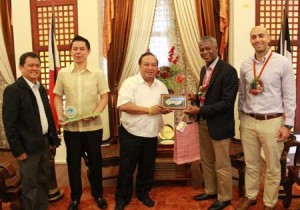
<point x="288" y="126"/>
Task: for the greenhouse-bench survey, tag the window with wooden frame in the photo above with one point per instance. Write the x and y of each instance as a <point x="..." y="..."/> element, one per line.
<point x="66" y="26"/>
<point x="269" y="14"/>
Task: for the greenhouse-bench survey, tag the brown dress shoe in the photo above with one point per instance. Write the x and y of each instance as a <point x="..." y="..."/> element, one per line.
<point x="269" y="208"/>
<point x="245" y="203"/>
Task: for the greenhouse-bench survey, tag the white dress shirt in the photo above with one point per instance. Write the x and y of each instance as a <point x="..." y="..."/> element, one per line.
<point x="36" y="92"/>
<point x="137" y="91"/>
<point x="279" y="89"/>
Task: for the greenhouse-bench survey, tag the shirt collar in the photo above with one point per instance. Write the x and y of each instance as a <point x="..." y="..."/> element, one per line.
<point x="141" y="79"/>
<point x="72" y="67"/>
<point x="31" y="85"/>
<point x="264" y="59"/>
<point x="213" y="64"/>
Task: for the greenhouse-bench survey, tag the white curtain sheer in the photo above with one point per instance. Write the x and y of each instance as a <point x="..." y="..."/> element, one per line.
<point x="189" y="31"/>
<point x="143" y="13"/>
<point x="5" y="68"/>
<point x="164" y="32"/>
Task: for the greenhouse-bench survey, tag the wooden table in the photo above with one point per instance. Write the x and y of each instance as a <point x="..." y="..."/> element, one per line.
<point x="167" y="170"/>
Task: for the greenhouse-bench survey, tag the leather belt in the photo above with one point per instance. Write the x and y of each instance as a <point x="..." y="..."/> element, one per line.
<point x="264" y="116"/>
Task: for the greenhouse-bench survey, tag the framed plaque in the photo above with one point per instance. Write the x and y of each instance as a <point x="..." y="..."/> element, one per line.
<point x="173" y="101"/>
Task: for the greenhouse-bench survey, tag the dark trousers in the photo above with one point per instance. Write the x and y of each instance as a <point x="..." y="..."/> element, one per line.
<point x="135" y="150"/>
<point x="76" y="143"/>
<point x="35" y="176"/>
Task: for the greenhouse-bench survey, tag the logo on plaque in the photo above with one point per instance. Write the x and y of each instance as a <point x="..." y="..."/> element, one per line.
<point x="70" y="112"/>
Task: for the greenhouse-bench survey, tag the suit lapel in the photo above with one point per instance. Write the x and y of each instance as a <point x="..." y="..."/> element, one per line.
<point x="202" y="73"/>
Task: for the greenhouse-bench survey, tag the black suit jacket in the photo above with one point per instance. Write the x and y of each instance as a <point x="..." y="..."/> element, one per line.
<point x="21" y="119"/>
<point x="218" y="108"/>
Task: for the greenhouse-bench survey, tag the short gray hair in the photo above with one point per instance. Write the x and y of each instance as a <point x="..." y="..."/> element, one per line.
<point x="209" y="39"/>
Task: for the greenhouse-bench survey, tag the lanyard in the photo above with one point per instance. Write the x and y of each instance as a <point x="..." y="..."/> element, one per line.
<point x="207" y="80"/>
<point x="263" y="68"/>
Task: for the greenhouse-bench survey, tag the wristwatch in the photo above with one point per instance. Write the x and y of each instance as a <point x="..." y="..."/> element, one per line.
<point x="288" y="126"/>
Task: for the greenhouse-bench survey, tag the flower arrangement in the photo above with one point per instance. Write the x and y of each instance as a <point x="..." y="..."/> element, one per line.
<point x="171" y="75"/>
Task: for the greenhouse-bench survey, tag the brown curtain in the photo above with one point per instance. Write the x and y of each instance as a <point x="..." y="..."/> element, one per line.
<point x="209" y="20"/>
<point x="5" y="12"/>
<point x="205" y="15"/>
<point x="224" y="28"/>
<point x="108" y="17"/>
<point x="120" y="30"/>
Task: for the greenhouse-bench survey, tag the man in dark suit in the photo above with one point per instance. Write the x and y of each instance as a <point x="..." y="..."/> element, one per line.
<point x="214" y="105"/>
<point x="30" y="131"/>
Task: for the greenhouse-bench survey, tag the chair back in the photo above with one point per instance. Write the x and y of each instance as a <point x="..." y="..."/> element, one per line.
<point x="297" y="155"/>
<point x="110" y="156"/>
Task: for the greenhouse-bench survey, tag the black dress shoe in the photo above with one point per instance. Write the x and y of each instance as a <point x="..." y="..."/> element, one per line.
<point x="147" y="201"/>
<point x="204" y="196"/>
<point x="74" y="205"/>
<point x="218" y="205"/>
<point x="119" y="207"/>
<point x="101" y="203"/>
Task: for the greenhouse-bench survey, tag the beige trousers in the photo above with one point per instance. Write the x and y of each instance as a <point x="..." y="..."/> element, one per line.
<point x="215" y="163"/>
<point x="257" y="134"/>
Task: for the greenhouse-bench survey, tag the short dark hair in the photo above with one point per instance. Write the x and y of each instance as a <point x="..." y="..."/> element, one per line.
<point x="81" y="39"/>
<point x="26" y="55"/>
<point x="145" y="54"/>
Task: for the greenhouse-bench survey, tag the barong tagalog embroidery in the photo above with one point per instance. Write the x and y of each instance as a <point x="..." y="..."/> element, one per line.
<point x="203" y="88"/>
<point x="256" y="86"/>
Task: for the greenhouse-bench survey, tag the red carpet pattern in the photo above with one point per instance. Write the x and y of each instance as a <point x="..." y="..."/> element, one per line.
<point x="166" y="198"/>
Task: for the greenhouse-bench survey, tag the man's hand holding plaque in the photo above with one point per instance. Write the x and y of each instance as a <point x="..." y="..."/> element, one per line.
<point x="157" y="109"/>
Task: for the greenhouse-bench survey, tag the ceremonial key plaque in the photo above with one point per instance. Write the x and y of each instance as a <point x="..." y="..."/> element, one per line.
<point x="71" y="114"/>
<point x="173" y="101"/>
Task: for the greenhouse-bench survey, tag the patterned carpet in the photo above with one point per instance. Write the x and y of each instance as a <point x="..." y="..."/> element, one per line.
<point x="166" y="198"/>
